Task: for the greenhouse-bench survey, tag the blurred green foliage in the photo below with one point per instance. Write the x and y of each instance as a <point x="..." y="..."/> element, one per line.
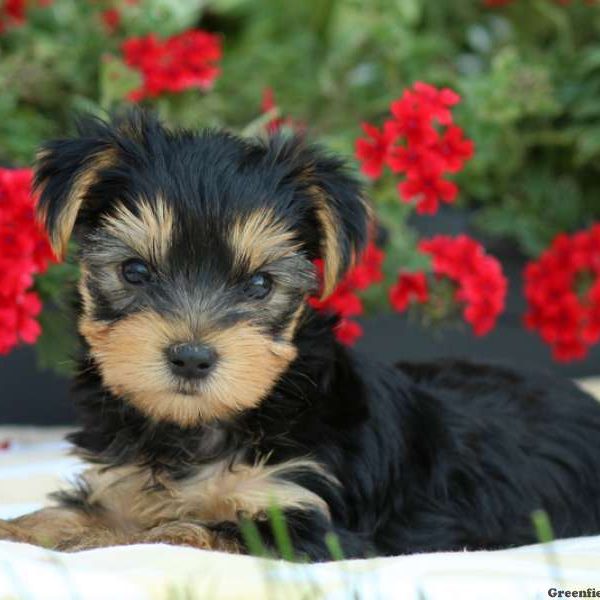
<point x="529" y="75"/>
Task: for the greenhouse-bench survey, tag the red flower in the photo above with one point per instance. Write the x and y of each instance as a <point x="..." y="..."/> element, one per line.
<point x="373" y="150"/>
<point x="410" y="159"/>
<point x="348" y="332"/>
<point x="562" y="289"/>
<point x="111" y="18"/>
<point x="24" y="253"/>
<point x="367" y="271"/>
<point x="421" y="142"/>
<point x="15" y="9"/>
<point x="427" y="186"/>
<point x="436" y="102"/>
<point x="413" y="119"/>
<point x="453" y="149"/>
<point x="185" y="61"/>
<point x="13" y="12"/>
<point x="477" y="280"/>
<point x="268" y="100"/>
<point x="268" y="104"/>
<point x="410" y="286"/>
<point x="343" y="301"/>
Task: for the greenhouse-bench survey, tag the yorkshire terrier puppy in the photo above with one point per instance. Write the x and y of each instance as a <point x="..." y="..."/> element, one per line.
<point x="209" y="389"/>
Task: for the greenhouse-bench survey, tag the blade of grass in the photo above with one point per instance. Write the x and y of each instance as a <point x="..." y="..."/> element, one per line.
<point x="542" y="525"/>
<point x="253" y="539"/>
<point x="333" y="545"/>
<point x="281" y="534"/>
<point x="545" y="534"/>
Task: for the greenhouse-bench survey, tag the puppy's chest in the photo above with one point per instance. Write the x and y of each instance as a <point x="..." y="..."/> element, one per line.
<point x="135" y="497"/>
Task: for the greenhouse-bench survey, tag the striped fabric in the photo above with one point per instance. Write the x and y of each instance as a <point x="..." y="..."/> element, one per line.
<point x="34" y="462"/>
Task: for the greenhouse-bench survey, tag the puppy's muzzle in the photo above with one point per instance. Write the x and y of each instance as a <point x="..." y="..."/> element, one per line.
<point x="191" y="361"/>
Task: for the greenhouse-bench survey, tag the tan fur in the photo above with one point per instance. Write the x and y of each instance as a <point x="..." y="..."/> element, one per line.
<point x="69" y="530"/>
<point x="331" y="251"/>
<point x="261" y="238"/>
<point x="148" y="232"/>
<point x="130" y="354"/>
<point x="49" y="527"/>
<point x="136" y="499"/>
<point x="86" y="298"/>
<point x="140" y="507"/>
<point x="187" y="534"/>
<point x="292" y="326"/>
<point x="60" y="235"/>
<point x="330" y="246"/>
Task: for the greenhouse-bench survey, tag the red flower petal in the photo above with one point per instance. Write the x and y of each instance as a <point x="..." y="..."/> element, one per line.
<point x="184" y="61"/>
<point x="348" y="332"/>
<point x="24" y="252"/>
<point x="409" y="287"/>
<point x="564" y="314"/>
<point x="481" y="284"/>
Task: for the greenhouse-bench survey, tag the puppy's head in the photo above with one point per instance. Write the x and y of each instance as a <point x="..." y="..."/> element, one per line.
<point x="196" y="256"/>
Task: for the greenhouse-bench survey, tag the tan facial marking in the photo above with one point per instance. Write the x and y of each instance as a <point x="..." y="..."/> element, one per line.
<point x="60" y="235"/>
<point x="130" y="355"/>
<point x="260" y="238"/>
<point x="148" y="232"/>
<point x="292" y="327"/>
<point x="86" y="298"/>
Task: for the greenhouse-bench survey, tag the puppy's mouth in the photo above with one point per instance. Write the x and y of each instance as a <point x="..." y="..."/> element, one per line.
<point x="184" y="387"/>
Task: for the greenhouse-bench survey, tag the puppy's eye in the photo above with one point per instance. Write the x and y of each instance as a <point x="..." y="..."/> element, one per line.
<point x="136" y="271"/>
<point x="258" y="286"/>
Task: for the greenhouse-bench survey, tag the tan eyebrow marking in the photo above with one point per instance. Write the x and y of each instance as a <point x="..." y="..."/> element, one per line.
<point x="261" y="237"/>
<point x="149" y="232"/>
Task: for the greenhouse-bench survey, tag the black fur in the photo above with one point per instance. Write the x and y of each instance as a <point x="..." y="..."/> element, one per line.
<point x="442" y="456"/>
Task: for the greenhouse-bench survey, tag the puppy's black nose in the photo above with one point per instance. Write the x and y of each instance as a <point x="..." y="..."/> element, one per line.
<point x="192" y="361"/>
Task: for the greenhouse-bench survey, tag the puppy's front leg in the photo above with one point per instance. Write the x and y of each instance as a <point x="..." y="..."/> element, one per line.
<point x="188" y="533"/>
<point x="58" y="528"/>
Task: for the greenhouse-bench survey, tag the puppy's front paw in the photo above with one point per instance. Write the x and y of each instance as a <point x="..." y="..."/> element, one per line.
<point x="186" y="534"/>
<point x="13" y="533"/>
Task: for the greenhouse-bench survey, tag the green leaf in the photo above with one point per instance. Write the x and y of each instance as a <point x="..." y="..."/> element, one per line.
<point x="55" y="347"/>
<point x="117" y="80"/>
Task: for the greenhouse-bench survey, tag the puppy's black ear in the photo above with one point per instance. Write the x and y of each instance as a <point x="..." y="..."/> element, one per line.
<point x="66" y="170"/>
<point x="336" y="200"/>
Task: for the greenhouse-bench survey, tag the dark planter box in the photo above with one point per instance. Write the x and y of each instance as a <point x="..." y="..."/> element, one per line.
<point x="30" y="396"/>
<point x="33" y="397"/>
